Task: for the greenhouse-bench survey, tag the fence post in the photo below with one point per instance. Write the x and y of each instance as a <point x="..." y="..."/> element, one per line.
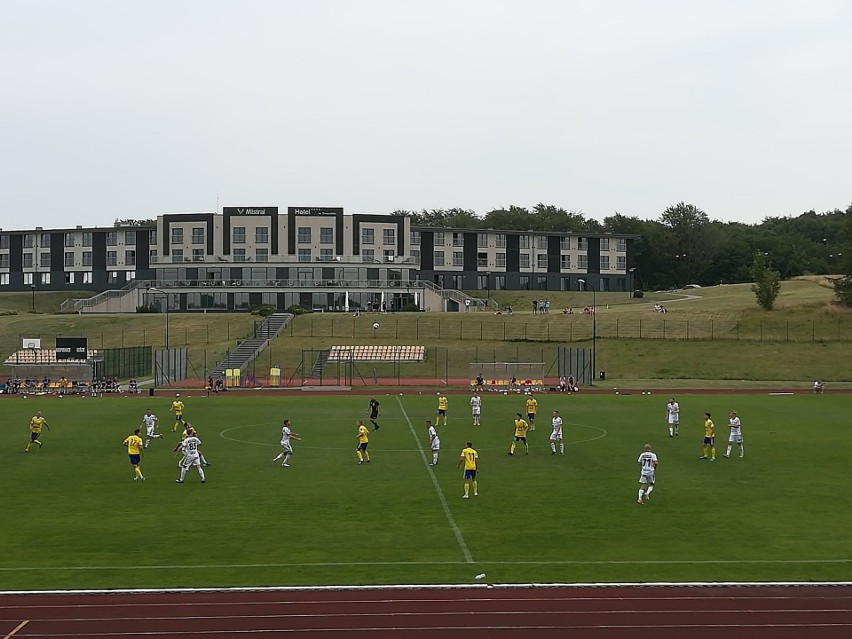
<point x="813" y="331"/>
<point x="761" y="330"/>
<point x="480" y="331"/>
<point x="712" y="334"/>
<point x="664" y="329"/>
<point x="787" y="330"/>
<point x="687" y="329"/>
<point x="640" y="331"/>
<point x="616" y="328"/>
<point x="208" y="333"/>
<point x="504" y="330"/>
<point x="738" y="331"/>
<point x="439" y="329"/>
<point x="416" y="328"/>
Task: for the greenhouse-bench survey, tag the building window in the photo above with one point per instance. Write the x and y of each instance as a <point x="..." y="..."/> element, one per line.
<point x="44" y="260"/>
<point x="87" y="258"/>
<point x="69" y="278"/>
<point x="152" y="238"/>
<point x="525" y="260"/>
<point x="112" y="238"/>
<point x="87" y="238"/>
<point x="458" y="239"/>
<point x="177" y="236"/>
<point x="458" y="258"/>
<point x="565" y="243"/>
<point x="564" y="263"/>
<point x="415" y="238"/>
<point x="415" y="256"/>
<point x="29" y="240"/>
<point x="388" y="237"/>
<point x="197" y="255"/>
<point x="45" y="240"/>
<point x="388" y="255"/>
<point x="261" y="235"/>
<point x="604" y="243"/>
<point x="439" y="238"/>
<point x="501" y="260"/>
<point x="327" y="235"/>
<point x="482" y="240"/>
<point x="524" y="241"/>
<point x="542" y="261"/>
<point x="438" y="258"/>
<point x="69" y="240"/>
<point x="524" y="282"/>
<point x="177" y="255"/>
<point x="45" y="278"/>
<point x="239" y="235"/>
<point x="305" y="254"/>
<point x="240" y="255"/>
<point x="130" y="238"/>
<point x="582" y="244"/>
<point x="368" y="255"/>
<point x="131" y="275"/>
<point x="582" y="262"/>
<point x="500" y="240"/>
<point x="4" y="278"/>
<point x="130" y="258"/>
<point x="604" y="262"/>
<point x="4" y="241"/>
<point x="482" y="260"/>
<point x="541" y="242"/>
<point x="368" y="236"/>
<point x="28" y="278"/>
<point x="304" y="235"/>
<point x="152" y="256"/>
<point x="621" y="262"/>
<point x="28" y="260"/>
<point x="4" y="260"/>
<point x="112" y="258"/>
<point x="198" y="235"/>
<point x="87" y="277"/>
<point x="621" y="245"/>
<point x="261" y="255"/>
<point x="112" y="278"/>
<point x="499" y="283"/>
<point x="326" y="255"/>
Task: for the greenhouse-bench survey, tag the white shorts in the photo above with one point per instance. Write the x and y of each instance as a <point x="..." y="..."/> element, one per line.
<point x="673" y="419"/>
<point x="436" y="445"/>
<point x="150" y="430"/>
<point x="287" y="447"/>
<point x="476" y="411"/>
<point x="735" y="437"/>
<point x="646" y="478"/>
<point x="555" y="437"/>
<point x="189" y="462"/>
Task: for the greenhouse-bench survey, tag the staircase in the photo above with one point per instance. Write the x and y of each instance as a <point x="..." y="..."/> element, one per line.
<point x="251" y="347"/>
<point x="322" y="358"/>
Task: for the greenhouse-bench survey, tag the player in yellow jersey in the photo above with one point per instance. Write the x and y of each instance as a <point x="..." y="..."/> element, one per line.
<point x="532" y="408"/>
<point x="36" y="424"/>
<point x="135" y="446"/>
<point x="709" y="447"/>
<point x="521" y="428"/>
<point x="442" y="409"/>
<point x="470" y="459"/>
<point x="363" y="441"/>
<point x="177" y="409"/>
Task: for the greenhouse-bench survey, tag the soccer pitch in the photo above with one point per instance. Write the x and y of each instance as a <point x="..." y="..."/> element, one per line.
<point x="73" y="517"/>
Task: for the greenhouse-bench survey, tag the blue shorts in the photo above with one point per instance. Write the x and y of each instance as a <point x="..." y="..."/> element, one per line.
<point x="178" y="418"/>
<point x="134" y="459"/>
<point x="531" y="417"/>
<point x="470" y="474"/>
<point x="34" y="436"/>
<point x="442" y="412"/>
<point x="362" y="446"/>
<point x="709" y="441"/>
<point x="521" y="439"/>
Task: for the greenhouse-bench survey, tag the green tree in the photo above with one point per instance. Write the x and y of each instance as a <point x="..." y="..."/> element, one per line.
<point x="767" y="281"/>
<point x="843" y="284"/>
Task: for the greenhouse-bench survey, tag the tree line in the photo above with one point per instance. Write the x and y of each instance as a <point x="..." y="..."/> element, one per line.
<point x="684" y="246"/>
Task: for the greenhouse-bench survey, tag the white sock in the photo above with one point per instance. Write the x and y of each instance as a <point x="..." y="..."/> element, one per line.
<point x="641" y="494"/>
<point x="742" y="450"/>
<point x="435" y="457"/>
<point x="201" y="472"/>
<point x="286" y="458"/>
<point x="562" y="448"/>
<point x="649" y="489"/>
<point x="279" y="457"/>
<point x="182" y="473"/>
<point x="553" y="446"/>
<point x="671" y="431"/>
<point x="728" y="451"/>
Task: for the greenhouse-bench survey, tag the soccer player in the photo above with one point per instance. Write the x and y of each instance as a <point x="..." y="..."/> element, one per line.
<point x="191" y="449"/>
<point x="150" y="421"/>
<point x="187" y="429"/>
<point x="442" y="409"/>
<point x="476" y="407"/>
<point x="532" y="408"/>
<point x="736" y="434"/>
<point x="648" y="461"/>
<point x="374" y="412"/>
<point x="134" y="451"/>
<point x="470" y="459"/>
<point x="286" y="447"/>
<point x="363" y="442"/>
<point x="36" y="424"/>
<point x="709" y="438"/>
<point x="556" y="434"/>
<point x="177" y="409"/>
<point x="434" y="442"/>
<point x="672" y="416"/>
<point x="521" y="428"/>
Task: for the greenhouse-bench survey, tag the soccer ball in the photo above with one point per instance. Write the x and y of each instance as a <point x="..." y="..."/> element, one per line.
<point x="375" y="326"/>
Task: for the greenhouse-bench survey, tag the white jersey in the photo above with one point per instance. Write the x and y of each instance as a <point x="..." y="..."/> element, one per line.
<point x="285" y="436"/>
<point x="673" y="409"/>
<point x="434" y="440"/>
<point x="150" y="422"/>
<point x="556" y="423"/>
<point x="648" y="461"/>
<point x="191" y="446"/>
<point x="736" y="434"/>
<point x="476" y="404"/>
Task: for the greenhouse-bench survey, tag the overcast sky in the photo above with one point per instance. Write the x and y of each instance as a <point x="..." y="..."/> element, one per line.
<point x="135" y="108"/>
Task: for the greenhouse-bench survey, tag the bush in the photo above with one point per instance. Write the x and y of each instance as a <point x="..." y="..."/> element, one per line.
<point x="265" y="310"/>
<point x="298" y="310"/>
<point x="410" y="308"/>
<point x="148" y="308"/>
<point x="639" y="294"/>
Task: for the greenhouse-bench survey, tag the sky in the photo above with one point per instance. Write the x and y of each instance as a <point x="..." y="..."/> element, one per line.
<point x="135" y="108"/>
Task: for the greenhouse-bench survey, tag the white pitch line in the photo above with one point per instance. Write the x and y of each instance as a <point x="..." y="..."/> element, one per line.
<point x="459" y="538"/>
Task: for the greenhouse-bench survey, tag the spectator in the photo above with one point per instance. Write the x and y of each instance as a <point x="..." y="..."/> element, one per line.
<point x="535" y="307"/>
<point x="819" y="387"/>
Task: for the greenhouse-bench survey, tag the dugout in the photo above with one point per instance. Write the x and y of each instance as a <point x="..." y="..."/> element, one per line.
<point x="499" y="375"/>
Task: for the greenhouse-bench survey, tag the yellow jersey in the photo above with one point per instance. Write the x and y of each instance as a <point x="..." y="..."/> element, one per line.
<point x="134" y="445"/>
<point x="532" y="405"/>
<point x="362" y="434"/>
<point x="470" y="457"/>
<point x="442" y="403"/>
<point x="36" y="423"/>
<point x="521" y="428"/>
<point x="177" y="407"/>
<point x="709" y="428"/>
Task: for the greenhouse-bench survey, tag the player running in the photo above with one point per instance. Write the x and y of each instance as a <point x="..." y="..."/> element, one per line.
<point x="177" y="409"/>
<point x="134" y="452"/>
<point x="556" y="434"/>
<point x="532" y="409"/>
<point x="374" y="409"/>
<point x="648" y="461"/>
<point x="286" y="447"/>
<point x="150" y="421"/>
<point x="36" y="424"/>
<point x="363" y="441"/>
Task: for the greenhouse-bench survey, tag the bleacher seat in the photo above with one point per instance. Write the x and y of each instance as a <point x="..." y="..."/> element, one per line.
<point x="378" y="353"/>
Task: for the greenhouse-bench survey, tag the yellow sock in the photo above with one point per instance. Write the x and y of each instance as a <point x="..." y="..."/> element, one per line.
<point x="366" y="455"/>
<point x="475" y="488"/>
<point x="137" y="471"/>
<point x="360" y="456"/>
<point x="466" y="489"/>
<point x="28" y="445"/>
<point x="512" y="449"/>
<point x="712" y="452"/>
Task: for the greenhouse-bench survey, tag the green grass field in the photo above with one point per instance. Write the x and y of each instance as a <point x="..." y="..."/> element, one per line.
<point x="73" y="518"/>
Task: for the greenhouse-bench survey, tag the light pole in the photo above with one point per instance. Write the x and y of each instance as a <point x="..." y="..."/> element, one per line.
<point x="632" y="284"/>
<point x="594" y="327"/>
<point x="166" y="296"/>
<point x="33" y="287"/>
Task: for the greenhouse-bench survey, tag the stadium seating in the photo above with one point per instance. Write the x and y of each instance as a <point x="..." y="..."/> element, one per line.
<point x="42" y="356"/>
<point x="378" y="353"/>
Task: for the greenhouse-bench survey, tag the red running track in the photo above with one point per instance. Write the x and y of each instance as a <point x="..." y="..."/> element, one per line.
<point x="823" y="612"/>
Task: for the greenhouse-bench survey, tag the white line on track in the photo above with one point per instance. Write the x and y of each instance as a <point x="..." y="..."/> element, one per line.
<point x="456" y="530"/>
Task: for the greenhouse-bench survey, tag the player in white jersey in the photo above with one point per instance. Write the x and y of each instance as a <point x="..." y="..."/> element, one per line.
<point x="736" y="435"/>
<point x="149" y="421"/>
<point x="191" y="449"/>
<point x="648" y="461"/>
<point x="476" y="407"/>
<point x="556" y="434"/>
<point x="286" y="447"/>
<point x="434" y="442"/>
<point x="672" y="416"/>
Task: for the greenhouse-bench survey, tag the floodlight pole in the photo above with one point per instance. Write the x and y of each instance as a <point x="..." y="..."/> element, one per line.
<point x="166" y="296"/>
<point x="594" y="328"/>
